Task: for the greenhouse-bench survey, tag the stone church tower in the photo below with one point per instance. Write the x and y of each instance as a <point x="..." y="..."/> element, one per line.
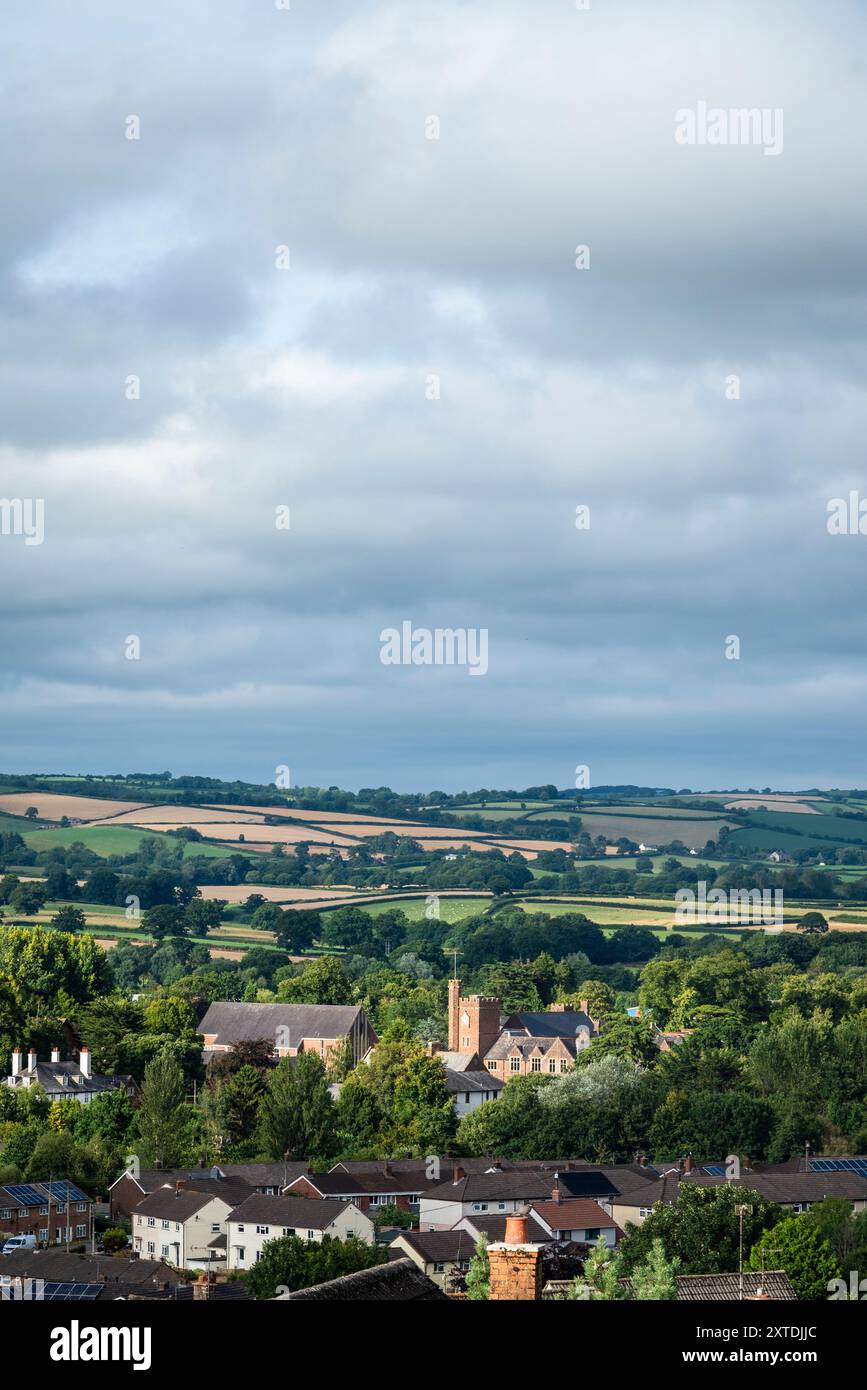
<point x="474" y="1022"/>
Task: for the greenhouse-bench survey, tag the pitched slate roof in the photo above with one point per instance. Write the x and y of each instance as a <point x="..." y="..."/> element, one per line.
<point x="233" y="1022"/>
<point x="56" y="1266"/>
<point x="169" y="1204"/>
<point x="714" y="1288"/>
<point x="50" y="1074"/>
<point x="785" y="1188"/>
<point x="508" y="1043"/>
<point x="436" y="1247"/>
<point x="494" y="1227"/>
<point x="552" y="1025"/>
<point x="362" y="1184"/>
<point x="400" y="1281"/>
<point x="493" y="1187"/>
<point x="459" y="1061"/>
<point x="573" y="1214"/>
<point x="309" y="1212"/>
<point x="457" y="1081"/>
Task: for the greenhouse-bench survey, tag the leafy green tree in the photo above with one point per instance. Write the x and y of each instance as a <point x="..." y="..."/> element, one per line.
<point x="70" y="919"/>
<point x="656" y="1278"/>
<point x="478" y="1280"/>
<point x="297" y="1111"/>
<point x="812" y="922"/>
<point x="240" y="1100"/>
<point x="323" y="981"/>
<point x="161" y="1117"/>
<point x="291" y="1263"/>
<point x="797" y="1246"/>
<point x="201" y="915"/>
<point x="296" y="930"/>
<point x="702" y="1229"/>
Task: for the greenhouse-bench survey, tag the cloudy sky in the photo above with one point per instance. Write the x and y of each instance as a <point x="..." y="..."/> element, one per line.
<point x="309" y="387"/>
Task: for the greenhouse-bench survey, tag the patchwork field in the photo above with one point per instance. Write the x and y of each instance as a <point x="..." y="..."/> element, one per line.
<point x="51" y="807"/>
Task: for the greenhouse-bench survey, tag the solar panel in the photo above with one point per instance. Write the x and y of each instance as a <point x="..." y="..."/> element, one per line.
<point x="65" y="1191"/>
<point x="23" y="1192"/>
<point x="714" y="1170"/>
<point x="69" y="1293"/>
<point x="839" y="1165"/>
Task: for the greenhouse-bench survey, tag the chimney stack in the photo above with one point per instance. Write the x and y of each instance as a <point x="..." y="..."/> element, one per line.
<point x="55" y="1053"/>
<point x="688" y="1163"/>
<point x="31" y="1059"/>
<point x="16" y="1061"/>
<point x="180" y="1185"/>
<point x="516" y="1266"/>
<point x="555" y="1192"/>
<point x="84" y="1062"/>
<point x="458" y="1173"/>
<point x="201" y="1288"/>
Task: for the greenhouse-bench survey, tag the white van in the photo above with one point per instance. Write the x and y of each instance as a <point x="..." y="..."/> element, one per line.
<point x="19" y="1243"/>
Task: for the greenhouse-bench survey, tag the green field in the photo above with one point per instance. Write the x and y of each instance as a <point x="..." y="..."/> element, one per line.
<point x="450" y="909"/>
<point x="117" y="839"/>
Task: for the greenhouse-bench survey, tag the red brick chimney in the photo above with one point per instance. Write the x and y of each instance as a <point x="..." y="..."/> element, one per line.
<point x="555" y="1191"/>
<point x="458" y="1173"/>
<point x="688" y="1163"/>
<point x="516" y="1266"/>
<point x="180" y="1185"/>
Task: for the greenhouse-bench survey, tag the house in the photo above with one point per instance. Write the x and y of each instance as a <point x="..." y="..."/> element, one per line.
<point x="576" y="1219"/>
<point x="126" y="1192"/>
<point x="53" y="1212"/>
<point x="794" y="1192"/>
<point x="121" y="1277"/>
<point x="71" y="1080"/>
<point x="259" y="1219"/>
<point x="501" y="1191"/>
<point x="367" y="1188"/>
<point x="470" y="1089"/>
<point x="520" y="1043"/>
<point x="779" y="856"/>
<point x="292" y="1028"/>
<point x="178" y="1224"/>
<point x="441" y="1255"/>
<point x="401" y="1281"/>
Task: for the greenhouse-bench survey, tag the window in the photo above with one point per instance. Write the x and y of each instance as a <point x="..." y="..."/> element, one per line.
<point x="466" y="1097"/>
<point x="164" y="1250"/>
<point x="43" y="1232"/>
<point x="552" y="1065"/>
<point x="6" y="1213"/>
<point x="81" y="1230"/>
<point x="263" y="1230"/>
<point x="480" y="1206"/>
<point x="564" y="1065"/>
<point x="514" y="1064"/>
<point x="536" y="1064"/>
<point x="167" y="1225"/>
<point x="215" y="1228"/>
<point x="311" y="1235"/>
<point x="492" y="1066"/>
<point x="644" y="1211"/>
<point x="151" y="1247"/>
<point x="81" y="1206"/>
<point x="43" y="1211"/>
<point x="592" y="1233"/>
<point x="501" y="1206"/>
<point x="242" y="1253"/>
<point x="152" y="1221"/>
<point x="240" y="1225"/>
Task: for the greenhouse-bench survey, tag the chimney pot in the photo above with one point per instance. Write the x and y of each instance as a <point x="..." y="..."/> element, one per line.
<point x="516" y="1226"/>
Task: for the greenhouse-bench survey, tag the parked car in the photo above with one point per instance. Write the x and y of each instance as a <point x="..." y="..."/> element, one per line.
<point x="19" y="1243"/>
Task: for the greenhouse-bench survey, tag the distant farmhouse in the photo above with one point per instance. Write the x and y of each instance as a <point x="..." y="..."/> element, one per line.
<point x="72" y="1080"/>
<point x="292" y="1028"/>
<point x="520" y="1043"/>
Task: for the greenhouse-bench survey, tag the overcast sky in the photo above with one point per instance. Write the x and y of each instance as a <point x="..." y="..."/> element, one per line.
<point x="307" y="387"/>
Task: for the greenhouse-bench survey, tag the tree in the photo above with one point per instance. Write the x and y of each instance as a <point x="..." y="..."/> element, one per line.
<point x="164" y="919"/>
<point x="161" y="1114"/>
<point x="702" y="1229"/>
<point x="297" y="1112"/>
<point x="290" y="1263"/>
<point x="812" y="922"/>
<point x="31" y="813"/>
<point x="478" y="1279"/>
<point x="201" y="914"/>
<point x="797" y="1246"/>
<point x="296" y="930"/>
<point x="656" y="1278"/>
<point x="239" y="1103"/>
<point x="70" y="919"/>
<point x="323" y="981"/>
